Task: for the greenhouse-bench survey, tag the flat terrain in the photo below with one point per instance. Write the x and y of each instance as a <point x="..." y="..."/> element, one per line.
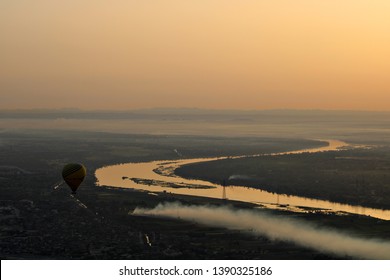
<point x="356" y="177"/>
<point x="38" y="222"/>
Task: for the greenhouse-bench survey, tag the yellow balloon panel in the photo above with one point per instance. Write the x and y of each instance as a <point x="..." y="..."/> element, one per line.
<point x="73" y="175"/>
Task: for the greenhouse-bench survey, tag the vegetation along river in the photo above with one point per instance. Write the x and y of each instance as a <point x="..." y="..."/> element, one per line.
<point x="158" y="177"/>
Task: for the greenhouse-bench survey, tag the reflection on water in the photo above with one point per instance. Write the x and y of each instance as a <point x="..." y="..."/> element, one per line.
<point x="162" y="171"/>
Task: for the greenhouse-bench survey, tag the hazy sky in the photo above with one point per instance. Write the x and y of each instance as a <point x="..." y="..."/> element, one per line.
<point x="242" y="54"/>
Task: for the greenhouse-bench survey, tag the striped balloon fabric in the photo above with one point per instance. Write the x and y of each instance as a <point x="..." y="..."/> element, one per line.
<point x="74" y="174"/>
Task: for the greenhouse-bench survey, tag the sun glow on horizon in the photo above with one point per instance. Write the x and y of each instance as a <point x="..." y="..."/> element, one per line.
<point x="305" y="54"/>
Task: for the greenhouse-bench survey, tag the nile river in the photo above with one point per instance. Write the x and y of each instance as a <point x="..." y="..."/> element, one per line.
<point x="119" y="176"/>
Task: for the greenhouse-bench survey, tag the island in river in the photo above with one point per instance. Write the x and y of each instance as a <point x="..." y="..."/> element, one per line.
<point x="159" y="181"/>
<point x="40" y="222"/>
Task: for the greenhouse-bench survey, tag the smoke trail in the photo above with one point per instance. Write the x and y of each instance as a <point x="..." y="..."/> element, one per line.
<point x="239" y="177"/>
<point x="275" y="227"/>
<point x="57" y="185"/>
<point x="82" y="205"/>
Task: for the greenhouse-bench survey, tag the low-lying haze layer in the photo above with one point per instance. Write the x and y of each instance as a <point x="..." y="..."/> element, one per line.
<point x="276" y="228"/>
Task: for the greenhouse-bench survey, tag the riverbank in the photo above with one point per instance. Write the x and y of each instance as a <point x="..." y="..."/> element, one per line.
<point x="39" y="222"/>
<point x="358" y="177"/>
<point x="196" y="173"/>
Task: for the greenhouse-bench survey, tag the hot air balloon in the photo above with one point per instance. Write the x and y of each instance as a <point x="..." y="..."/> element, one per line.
<point x="74" y="174"/>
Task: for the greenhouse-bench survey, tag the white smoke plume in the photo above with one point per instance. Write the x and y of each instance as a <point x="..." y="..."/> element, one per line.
<point x="275" y="227"/>
<point x="240" y="177"/>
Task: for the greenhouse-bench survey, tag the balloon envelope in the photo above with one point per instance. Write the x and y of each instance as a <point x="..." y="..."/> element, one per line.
<point x="74" y="174"/>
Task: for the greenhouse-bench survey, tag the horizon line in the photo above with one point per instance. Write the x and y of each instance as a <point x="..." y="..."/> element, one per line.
<point x="190" y="109"/>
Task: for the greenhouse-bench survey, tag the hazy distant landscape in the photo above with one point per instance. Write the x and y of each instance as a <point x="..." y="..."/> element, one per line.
<point x="39" y="222"/>
<point x="357" y="126"/>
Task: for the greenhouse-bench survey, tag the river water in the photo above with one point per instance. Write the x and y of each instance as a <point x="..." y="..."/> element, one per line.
<point x="164" y="180"/>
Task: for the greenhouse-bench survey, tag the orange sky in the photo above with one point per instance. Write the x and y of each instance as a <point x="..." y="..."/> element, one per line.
<point x="247" y="54"/>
